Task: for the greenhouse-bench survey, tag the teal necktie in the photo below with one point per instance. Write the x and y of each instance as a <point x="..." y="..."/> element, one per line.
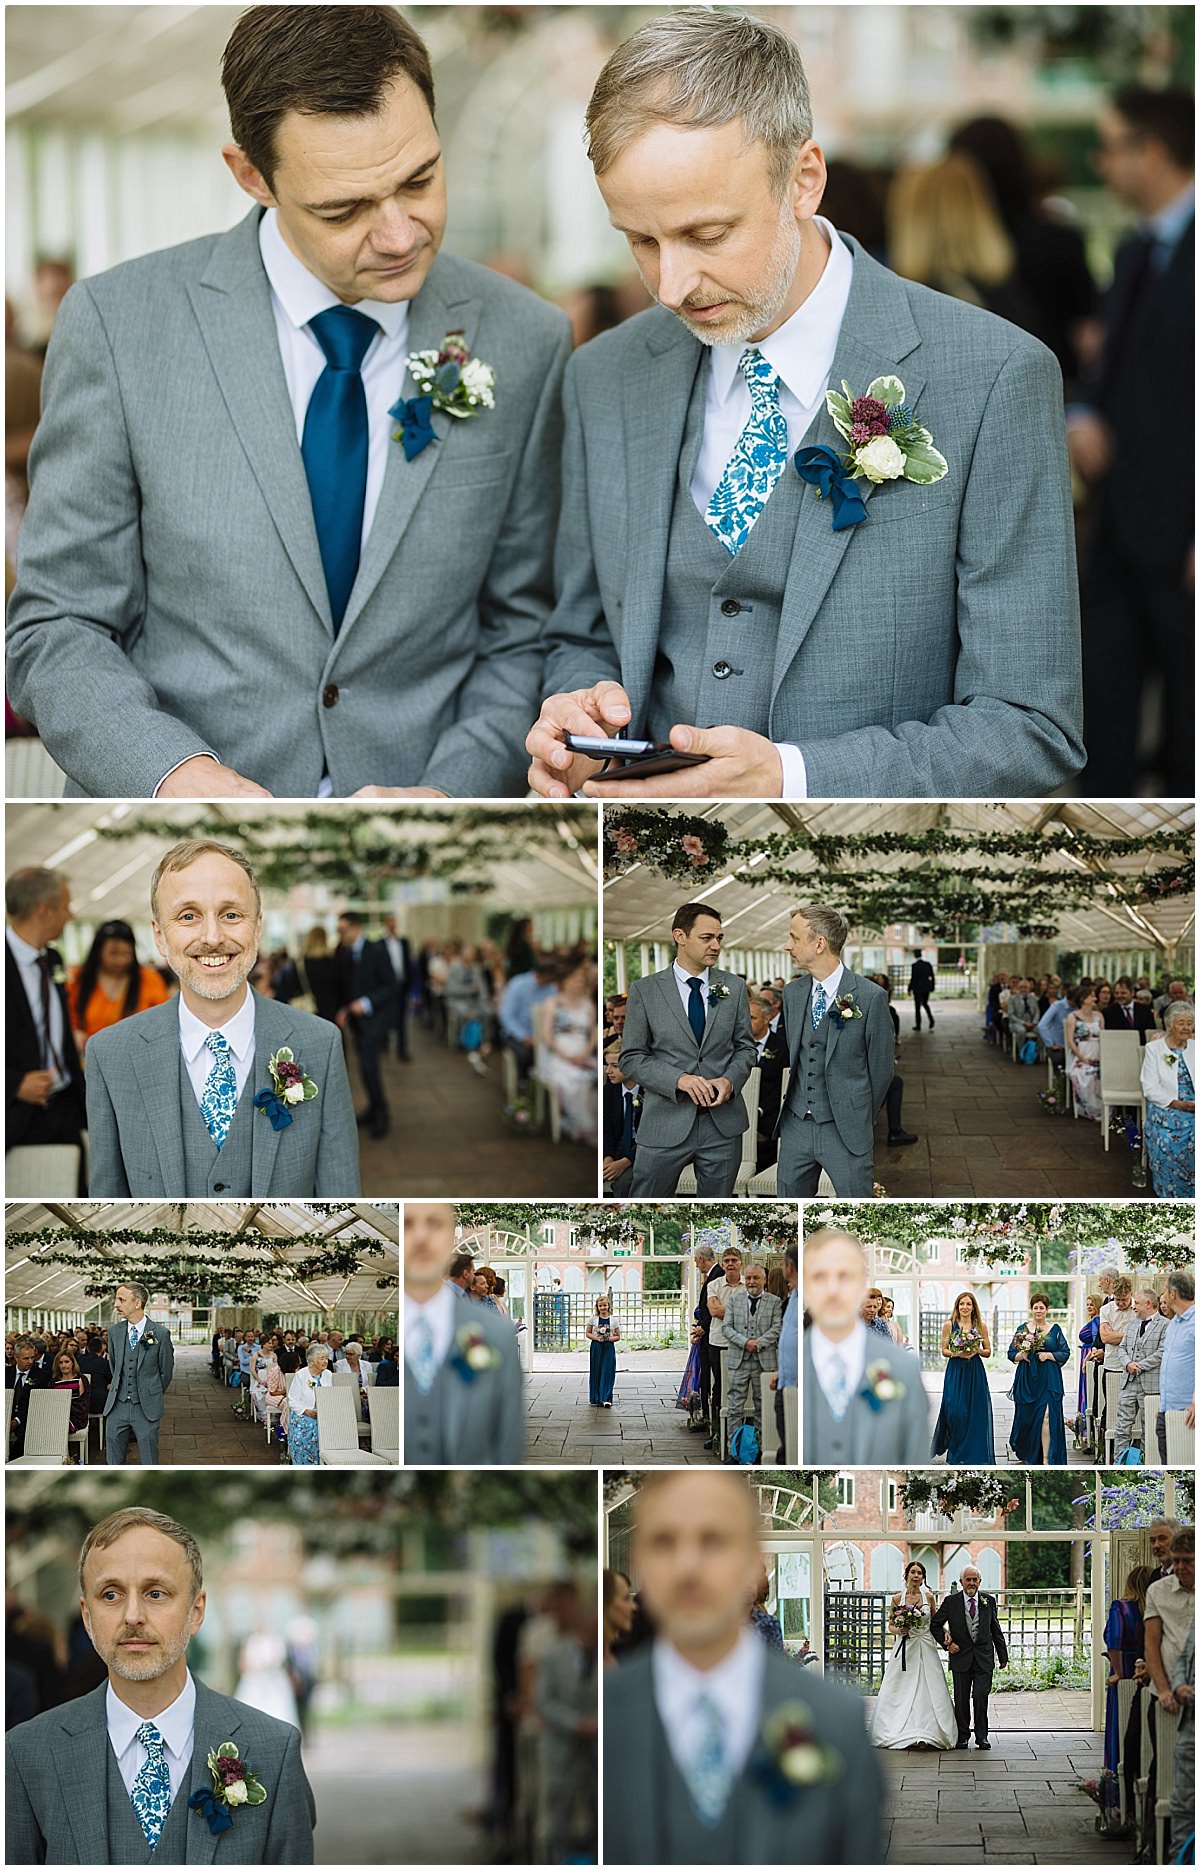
<point x="755" y="466"/>
<point x="151" y="1789"/>
<point x="837" y="1387"/>
<point x="710" y="1771"/>
<point x="218" y="1102"/>
<point x="335" y="447"/>
<point x="421" y="1361"/>
<point x="818" y="1005"/>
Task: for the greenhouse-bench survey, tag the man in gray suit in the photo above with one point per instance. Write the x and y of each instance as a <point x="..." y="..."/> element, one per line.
<point x="256" y="558"/>
<point x="841" y="1046"/>
<point x="141" y="1357"/>
<point x="1142" y="1351"/>
<point x="922" y="644"/>
<point x="192" y="1098"/>
<point x="698" y="1726"/>
<point x="687" y="1042"/>
<point x="121" y="1776"/>
<point x="464" y="1402"/>
<point x="752" y="1321"/>
<point x="864" y="1401"/>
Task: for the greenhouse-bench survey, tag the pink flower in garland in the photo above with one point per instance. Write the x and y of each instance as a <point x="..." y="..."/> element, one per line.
<point x="693" y="848"/>
<point x="626" y="843"/>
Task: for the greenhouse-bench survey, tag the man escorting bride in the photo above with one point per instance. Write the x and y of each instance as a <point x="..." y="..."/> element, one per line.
<point x="914" y="1707"/>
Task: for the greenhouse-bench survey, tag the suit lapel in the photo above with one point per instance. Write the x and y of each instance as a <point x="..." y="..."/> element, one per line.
<point x="232" y="304"/>
<point x="877" y="334"/>
<point x="216" y="1722"/>
<point x="79" y="1750"/>
<point x="718" y="1008"/>
<point x="657" y="393"/>
<point x="162" y="1082"/>
<point x="670" y="993"/>
<point x="273" y="1027"/>
<point x="802" y="1000"/>
<point x="439" y="307"/>
<point x="848" y="983"/>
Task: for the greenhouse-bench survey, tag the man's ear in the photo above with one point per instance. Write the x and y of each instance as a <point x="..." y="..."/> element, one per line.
<point x="247" y="176"/>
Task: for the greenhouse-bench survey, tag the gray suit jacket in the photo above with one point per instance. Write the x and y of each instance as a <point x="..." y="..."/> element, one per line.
<point x="55" y="1776"/>
<point x="931" y="651"/>
<point x="658" y="1047"/>
<point x="1147" y="1353"/>
<point x="765" y="1329"/>
<point x="133" y="1090"/>
<point x="837" y="1821"/>
<point x="860" y="1054"/>
<point x="155" y="1357"/>
<point x="170" y="597"/>
<point x="483" y="1416"/>
<point x="897" y="1432"/>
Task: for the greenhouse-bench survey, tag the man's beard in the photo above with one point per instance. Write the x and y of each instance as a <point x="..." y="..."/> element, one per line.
<point x="759" y="313"/>
<point x="208" y="986"/>
<point x="149" y="1665"/>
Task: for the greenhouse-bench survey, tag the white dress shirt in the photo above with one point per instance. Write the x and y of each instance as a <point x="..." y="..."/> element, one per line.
<point x="440" y="1314"/>
<point x="801" y="354"/>
<point x="26" y="958"/>
<point x="735" y="1685"/>
<point x="852" y="1351"/>
<point x="239" y="1031"/>
<point x="682" y="977"/>
<point x="176" y="1724"/>
<point x="395" y="948"/>
<point x="829" y="986"/>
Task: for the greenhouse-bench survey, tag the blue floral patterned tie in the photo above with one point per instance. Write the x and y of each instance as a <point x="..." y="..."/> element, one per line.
<point x="837" y="1386"/>
<point x="421" y="1361"/>
<point x="710" y="1771"/>
<point x="757" y="462"/>
<point x="151" y="1789"/>
<point x="818" y="1005"/>
<point x="219" y="1101"/>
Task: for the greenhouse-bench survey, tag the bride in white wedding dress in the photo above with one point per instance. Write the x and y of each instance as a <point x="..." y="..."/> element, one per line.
<point x="914" y="1706"/>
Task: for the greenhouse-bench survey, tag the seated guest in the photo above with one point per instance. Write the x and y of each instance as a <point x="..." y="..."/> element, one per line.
<point x="301" y="1425"/>
<point x="1050" y="1025"/>
<point x="516" y="1013"/>
<point x="111" y="984"/>
<point x="1169" y="1085"/>
<point x="387" y="1371"/>
<point x="353" y="1363"/>
<point x="1123" y="1013"/>
<point x="94" y="1365"/>
<point x="1022" y="1009"/>
<point x="22" y="1377"/>
<point x="1125" y="1642"/>
<point x="66" y="1376"/>
<point x="288" y="1355"/>
<point x="621" y="1109"/>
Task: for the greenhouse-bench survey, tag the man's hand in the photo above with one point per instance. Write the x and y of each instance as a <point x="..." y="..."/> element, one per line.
<point x="952" y="1649"/>
<point x="615" y="1166"/>
<point x="1132" y="1369"/>
<point x="398" y="792"/>
<point x="752" y="1346"/>
<point x="740" y="765"/>
<point x="773" y="1383"/>
<point x="34" y="1087"/>
<point x="603" y="710"/>
<point x="724" y="1090"/>
<point x="1167" y="1702"/>
<point x="702" y="1091"/>
<point x="1189" y="1415"/>
<point x="1089" y="444"/>
<point x="202" y="778"/>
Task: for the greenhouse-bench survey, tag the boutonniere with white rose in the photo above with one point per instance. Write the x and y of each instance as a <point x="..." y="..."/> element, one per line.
<point x="473" y="1354"/>
<point x="880" y="1386"/>
<point x="844" y="1009"/>
<point x="790" y="1757"/>
<point x="290" y="1085"/>
<point x="449" y="380"/>
<point x="233" y="1784"/>
<point x="718" y="992"/>
<point x="885" y="443"/>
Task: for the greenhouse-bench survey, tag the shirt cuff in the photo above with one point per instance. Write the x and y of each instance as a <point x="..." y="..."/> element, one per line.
<point x="368" y="1009"/>
<point x="795" y="773"/>
<point x="203" y="755"/>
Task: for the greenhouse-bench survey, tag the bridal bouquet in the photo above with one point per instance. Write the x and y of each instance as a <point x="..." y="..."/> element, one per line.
<point x="907" y="1618"/>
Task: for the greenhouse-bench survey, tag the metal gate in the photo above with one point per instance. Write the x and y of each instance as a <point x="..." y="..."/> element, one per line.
<point x="857" y="1641"/>
<point x="931" y="1339"/>
<point x="559" y="1318"/>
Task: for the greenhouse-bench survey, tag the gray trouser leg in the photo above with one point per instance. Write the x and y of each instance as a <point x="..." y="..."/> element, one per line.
<point x="1128" y="1405"/>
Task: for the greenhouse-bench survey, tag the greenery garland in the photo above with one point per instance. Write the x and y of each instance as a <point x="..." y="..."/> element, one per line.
<point x="769" y="1225"/>
<point x="197" y="1261"/>
<point x="982" y="1494"/>
<point x="1151" y="1233"/>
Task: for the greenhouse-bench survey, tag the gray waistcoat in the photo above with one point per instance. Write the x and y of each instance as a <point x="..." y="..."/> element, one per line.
<point x="683" y="1838"/>
<point x="207" y="1169"/>
<point x="129" y="1389"/>
<point x="720" y="613"/>
<point x="806" y="1086"/>
<point x="424" y="1421"/>
<point x="126" y="1839"/>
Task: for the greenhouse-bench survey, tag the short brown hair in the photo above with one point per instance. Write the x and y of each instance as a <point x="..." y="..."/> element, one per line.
<point x="1122" y="1287"/>
<point x="118" y="1524"/>
<point x="27" y="890"/>
<point x="318" y="60"/>
<point x="183" y="856"/>
<point x="686" y="918"/>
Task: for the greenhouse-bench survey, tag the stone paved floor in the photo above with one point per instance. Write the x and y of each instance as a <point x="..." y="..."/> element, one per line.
<point x="982" y="1131"/>
<point x="440" y="1775"/>
<point x="1017" y="1804"/>
<point x="352" y="1774"/>
<point x="642" y="1429"/>
<point x="999" y="1383"/>
<point x="448" y="1135"/>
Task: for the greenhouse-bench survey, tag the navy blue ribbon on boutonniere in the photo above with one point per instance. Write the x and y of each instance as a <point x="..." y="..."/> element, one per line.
<point x="218" y="1818"/>
<point x="415" y="417"/>
<point x="277" y="1111"/>
<point x="824" y="469"/>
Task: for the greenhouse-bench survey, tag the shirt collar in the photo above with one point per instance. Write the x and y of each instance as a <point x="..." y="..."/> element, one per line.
<point x="682" y="975"/>
<point x="736" y="1679"/>
<point x="824" y="1347"/>
<point x="175" y="1723"/>
<point x="1170" y="223"/>
<point x="23" y="953"/>
<point x="830" y="984"/>
<point x="430" y="1309"/>
<point x="302" y="295"/>
<point x="801" y="352"/>
<point x="239" y="1030"/>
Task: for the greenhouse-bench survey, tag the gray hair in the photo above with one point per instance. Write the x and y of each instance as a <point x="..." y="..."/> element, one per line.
<point x="1109" y="1272"/>
<point x="754" y="1266"/>
<point x="125" y="1520"/>
<point x="1182" y="1285"/>
<point x="698" y="68"/>
<point x="316" y="1350"/>
<point x="1175" y="1010"/>
<point x="30" y="889"/>
<point x="826" y="922"/>
<point x="705" y="1253"/>
<point x="133" y="1285"/>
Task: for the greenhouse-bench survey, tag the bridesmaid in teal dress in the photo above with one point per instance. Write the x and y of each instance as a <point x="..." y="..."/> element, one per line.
<point x="1039" y="1350"/>
<point x="1089" y="1339"/>
<point x="964" y="1426"/>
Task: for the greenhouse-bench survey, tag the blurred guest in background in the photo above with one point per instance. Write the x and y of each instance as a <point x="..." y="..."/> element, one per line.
<point x="44" y="1101"/>
<point x="111" y="984"/>
<point x="945" y="231"/>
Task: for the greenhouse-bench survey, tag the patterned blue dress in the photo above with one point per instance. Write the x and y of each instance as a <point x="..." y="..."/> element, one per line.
<point x="1171" y="1143"/>
<point x="302" y="1432"/>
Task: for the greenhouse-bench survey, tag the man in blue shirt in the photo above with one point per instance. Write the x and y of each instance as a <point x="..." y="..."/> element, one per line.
<point x="1177" y="1372"/>
<point x="523" y="993"/>
<point x="1050" y="1025"/>
<point x="786" y="1376"/>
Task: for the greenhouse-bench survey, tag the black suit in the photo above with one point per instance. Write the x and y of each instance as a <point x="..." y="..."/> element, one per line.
<point x="772" y="1063"/>
<point x="1137" y="614"/>
<point x="1141" y="1019"/>
<point x="971" y="1667"/>
<point x="369" y="976"/>
<point x="38" y="1379"/>
<point x="921" y="983"/>
<point x="62" y="1120"/>
<point x="403" y="977"/>
<point x="614" y="1134"/>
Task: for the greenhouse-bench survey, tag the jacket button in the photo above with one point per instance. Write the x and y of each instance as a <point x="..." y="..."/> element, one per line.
<point x="330" y="695"/>
<point x="722" y="670"/>
<point x="218" y="1188"/>
<point x="731" y="607"/>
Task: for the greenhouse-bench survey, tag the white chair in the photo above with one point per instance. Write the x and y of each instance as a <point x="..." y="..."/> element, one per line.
<point x="338" y="1421"/>
<point x="1112" y="1392"/>
<point x="1166" y="1727"/>
<point x="34" y="1170"/>
<point x="1126" y="1690"/>
<point x="1120" y="1076"/>
<point x="722" y="1448"/>
<point x="8" y="1403"/>
<point x="1181" y="1440"/>
<point x="772" y="1452"/>
<point x="384" y="1408"/>
<point x="791" y="1425"/>
<point x="686" y="1184"/>
<point x="80" y="1435"/>
<point x="1150" y="1407"/>
<point x="272" y="1410"/>
<point x="1141" y="1784"/>
<point x="46" y="1426"/>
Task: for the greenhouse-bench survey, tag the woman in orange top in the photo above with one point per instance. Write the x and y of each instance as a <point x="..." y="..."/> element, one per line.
<point x="111" y="984"/>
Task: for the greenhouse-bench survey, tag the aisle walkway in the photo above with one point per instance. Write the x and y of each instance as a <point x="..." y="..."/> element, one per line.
<point x="982" y="1131"/>
<point x="643" y="1427"/>
<point x="449" y="1137"/>
<point x="198" y="1425"/>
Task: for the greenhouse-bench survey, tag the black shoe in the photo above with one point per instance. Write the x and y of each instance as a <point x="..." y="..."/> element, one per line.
<point x="960" y="1746"/>
<point x="930" y="1016"/>
<point x="364" y="1117"/>
<point x="697" y="1428"/>
<point x="380" y="1125"/>
<point x="985" y="1745"/>
<point x="710" y="1443"/>
<point x="898" y="1138"/>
